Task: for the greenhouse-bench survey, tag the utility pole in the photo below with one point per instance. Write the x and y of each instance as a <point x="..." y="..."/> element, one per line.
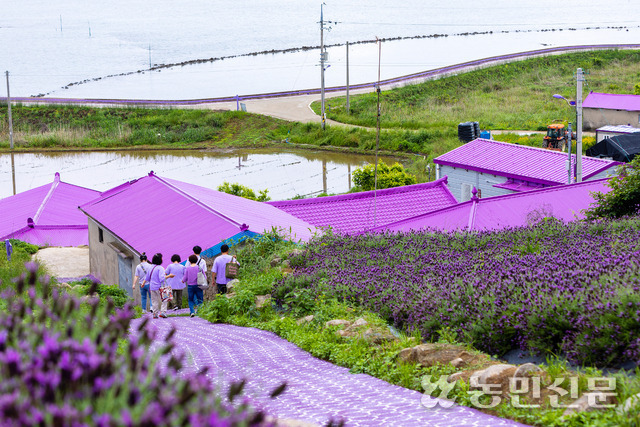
<point x="13" y="163"/>
<point x="375" y="170"/>
<point x="569" y="148"/>
<point x="348" y="107"/>
<point x="580" y="79"/>
<point x="323" y="58"/>
<point x="9" y="113"/>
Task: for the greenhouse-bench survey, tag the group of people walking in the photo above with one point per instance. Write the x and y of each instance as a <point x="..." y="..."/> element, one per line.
<point x="191" y="276"/>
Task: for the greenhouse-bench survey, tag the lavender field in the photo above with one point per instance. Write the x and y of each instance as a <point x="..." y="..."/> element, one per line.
<point x="570" y="290"/>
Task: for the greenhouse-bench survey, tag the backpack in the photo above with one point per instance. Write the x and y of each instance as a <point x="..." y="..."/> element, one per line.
<point x="231" y="269"/>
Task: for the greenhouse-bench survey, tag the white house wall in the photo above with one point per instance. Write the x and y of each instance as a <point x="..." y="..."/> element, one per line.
<point x="461" y="181"/>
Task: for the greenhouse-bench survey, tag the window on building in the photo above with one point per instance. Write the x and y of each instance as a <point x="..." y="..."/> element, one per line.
<point x="100" y="235"/>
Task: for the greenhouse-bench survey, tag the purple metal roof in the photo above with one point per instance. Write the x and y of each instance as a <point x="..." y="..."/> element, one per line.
<point x="154" y="214"/>
<point x="563" y="202"/>
<point x="612" y="101"/>
<point x="47" y="215"/>
<point x="522" y="162"/>
<point x="352" y="213"/>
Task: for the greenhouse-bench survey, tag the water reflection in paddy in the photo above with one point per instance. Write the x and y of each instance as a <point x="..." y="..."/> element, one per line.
<point x="285" y="173"/>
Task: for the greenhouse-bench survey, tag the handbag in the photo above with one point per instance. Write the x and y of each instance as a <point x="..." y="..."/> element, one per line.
<point x="166" y="293"/>
<point x="202" y="280"/>
<point x="231" y="269"/>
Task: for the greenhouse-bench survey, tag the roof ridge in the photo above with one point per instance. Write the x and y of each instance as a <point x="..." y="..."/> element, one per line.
<point x="54" y="185"/>
<point x="197" y="201"/>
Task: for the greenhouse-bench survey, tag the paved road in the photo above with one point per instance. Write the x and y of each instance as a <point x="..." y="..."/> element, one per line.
<point x="317" y="390"/>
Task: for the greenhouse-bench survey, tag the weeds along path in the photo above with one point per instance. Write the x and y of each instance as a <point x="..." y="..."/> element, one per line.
<point x="296" y="105"/>
<point x="317" y="390"/>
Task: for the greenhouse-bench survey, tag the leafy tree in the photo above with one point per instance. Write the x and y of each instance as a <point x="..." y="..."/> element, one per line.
<point x="624" y="197"/>
<point x="388" y="176"/>
<point x="636" y="89"/>
<point x="242" y="191"/>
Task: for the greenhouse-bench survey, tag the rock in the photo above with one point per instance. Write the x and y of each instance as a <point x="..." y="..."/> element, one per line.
<point x="455" y="377"/>
<point x="524" y="370"/>
<point x="406" y="354"/>
<point x="296" y="252"/>
<point x="629" y="404"/>
<point x="359" y="322"/>
<point x="275" y="261"/>
<point x="343" y="333"/>
<point x="337" y="322"/>
<point x="305" y="319"/>
<point x="431" y="354"/>
<point x="378" y="338"/>
<point x="261" y="300"/>
<point x="232" y="284"/>
<point x="286" y="263"/>
<point x="493" y="374"/>
<point x="457" y="362"/>
<point x="64" y="285"/>
<point x="587" y="402"/>
<point x="474" y="379"/>
<point x="230" y="294"/>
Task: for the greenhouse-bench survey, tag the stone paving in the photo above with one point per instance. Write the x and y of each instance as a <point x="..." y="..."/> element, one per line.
<point x="317" y="390"/>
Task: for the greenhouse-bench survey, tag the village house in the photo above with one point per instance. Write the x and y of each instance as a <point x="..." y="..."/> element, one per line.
<point x="561" y="202"/>
<point x="601" y="109"/>
<point x="497" y="168"/>
<point x="160" y="215"/>
<point x="47" y="215"/>
<point x="356" y="212"/>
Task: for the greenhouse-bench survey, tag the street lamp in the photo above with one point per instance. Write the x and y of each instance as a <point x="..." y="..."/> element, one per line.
<point x="570" y="143"/>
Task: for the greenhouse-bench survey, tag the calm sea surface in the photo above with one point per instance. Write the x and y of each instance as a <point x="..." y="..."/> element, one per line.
<point x="101" y="46"/>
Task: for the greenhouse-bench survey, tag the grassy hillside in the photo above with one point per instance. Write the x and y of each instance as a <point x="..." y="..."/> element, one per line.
<point x="516" y="95"/>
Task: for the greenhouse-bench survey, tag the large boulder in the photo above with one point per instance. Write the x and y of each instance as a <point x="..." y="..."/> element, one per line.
<point x="431" y="354"/>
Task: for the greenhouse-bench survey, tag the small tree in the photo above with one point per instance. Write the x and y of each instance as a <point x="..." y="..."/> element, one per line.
<point x="624" y="197"/>
<point x="636" y="89"/>
<point x="242" y="191"/>
<point x="388" y="176"/>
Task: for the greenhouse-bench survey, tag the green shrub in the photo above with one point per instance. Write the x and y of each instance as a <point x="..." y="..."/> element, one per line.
<point x="388" y="176"/>
<point x="242" y="191"/>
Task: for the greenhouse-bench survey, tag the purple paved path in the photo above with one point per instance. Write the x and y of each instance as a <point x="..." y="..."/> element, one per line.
<point x="317" y="390"/>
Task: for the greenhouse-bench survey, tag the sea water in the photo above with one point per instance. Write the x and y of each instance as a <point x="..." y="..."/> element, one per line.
<point x="74" y="48"/>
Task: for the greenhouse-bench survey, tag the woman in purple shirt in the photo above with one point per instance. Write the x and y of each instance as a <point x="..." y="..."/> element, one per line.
<point x="190" y="278"/>
<point x="155" y="277"/>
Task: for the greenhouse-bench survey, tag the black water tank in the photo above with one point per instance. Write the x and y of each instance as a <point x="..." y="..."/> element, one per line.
<point x="466" y="132"/>
<point x="476" y="130"/>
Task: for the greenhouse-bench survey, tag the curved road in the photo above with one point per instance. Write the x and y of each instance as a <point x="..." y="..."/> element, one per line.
<point x="295" y="106"/>
<point x="317" y="391"/>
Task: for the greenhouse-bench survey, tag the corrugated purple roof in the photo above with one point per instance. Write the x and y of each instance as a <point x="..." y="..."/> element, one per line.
<point x="154" y="214"/>
<point x="47" y="215"/>
<point x="532" y="164"/>
<point x="563" y="202"/>
<point x="352" y="213"/>
<point x="612" y="101"/>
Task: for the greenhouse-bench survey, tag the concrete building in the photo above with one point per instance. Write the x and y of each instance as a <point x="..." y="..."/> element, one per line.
<point x="611" y="131"/>
<point x="497" y="168"/>
<point x="601" y="109"/>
